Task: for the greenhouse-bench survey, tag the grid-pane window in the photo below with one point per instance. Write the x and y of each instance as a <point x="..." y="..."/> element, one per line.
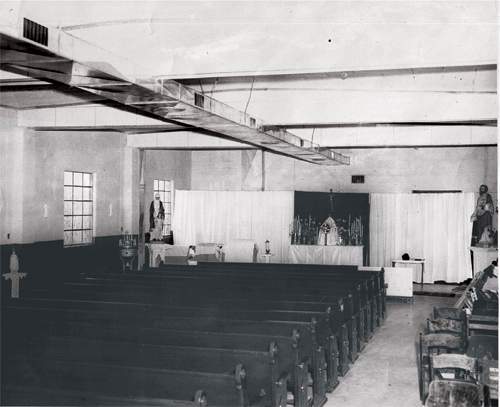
<point x="166" y="190"/>
<point x="78" y="208"/>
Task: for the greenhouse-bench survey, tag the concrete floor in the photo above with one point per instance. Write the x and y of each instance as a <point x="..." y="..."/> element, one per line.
<point x="385" y="374"/>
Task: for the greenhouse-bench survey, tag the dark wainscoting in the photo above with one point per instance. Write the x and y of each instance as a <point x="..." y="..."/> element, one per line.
<point x="48" y="262"/>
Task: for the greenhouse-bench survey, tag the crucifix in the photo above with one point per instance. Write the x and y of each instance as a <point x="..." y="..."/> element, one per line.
<point x="331" y="201"/>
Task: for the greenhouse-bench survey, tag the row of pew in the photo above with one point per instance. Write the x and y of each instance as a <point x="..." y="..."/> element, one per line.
<point x="216" y="334"/>
<point x="458" y="356"/>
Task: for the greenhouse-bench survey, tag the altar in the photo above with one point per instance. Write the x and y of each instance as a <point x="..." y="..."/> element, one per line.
<point x="338" y="255"/>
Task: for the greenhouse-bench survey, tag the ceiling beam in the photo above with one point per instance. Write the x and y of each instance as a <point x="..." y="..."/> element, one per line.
<point x="165" y="99"/>
<point x="312" y="74"/>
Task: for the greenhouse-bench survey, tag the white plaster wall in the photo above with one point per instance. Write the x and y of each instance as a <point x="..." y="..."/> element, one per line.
<point x="390" y="170"/>
<point x="386" y="170"/>
<point x="46" y="155"/>
<point x="11" y="179"/>
<point x="216" y="170"/>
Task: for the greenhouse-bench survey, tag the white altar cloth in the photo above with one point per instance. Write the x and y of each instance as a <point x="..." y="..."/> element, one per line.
<point x="339" y="255"/>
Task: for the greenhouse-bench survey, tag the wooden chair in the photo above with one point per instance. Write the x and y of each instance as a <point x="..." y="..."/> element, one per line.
<point x="456" y="314"/>
<point x="451" y="327"/>
<point x="462" y="367"/>
<point x="485" y="349"/>
<point x="434" y="344"/>
<point x="453" y="393"/>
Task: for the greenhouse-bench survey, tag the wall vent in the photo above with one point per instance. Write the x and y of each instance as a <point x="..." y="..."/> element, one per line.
<point x="35" y="32"/>
<point x="199" y="100"/>
<point x="358" y="179"/>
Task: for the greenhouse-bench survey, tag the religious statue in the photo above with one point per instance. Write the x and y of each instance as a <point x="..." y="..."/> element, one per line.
<point x="328" y="233"/>
<point x="14" y="262"/>
<point x="482" y="216"/>
<point x="156" y="216"/>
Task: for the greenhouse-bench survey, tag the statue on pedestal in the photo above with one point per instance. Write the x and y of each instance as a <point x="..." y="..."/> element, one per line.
<point x="156" y="216"/>
<point x="482" y="218"/>
<point x="14" y="274"/>
<point x="14" y="262"/>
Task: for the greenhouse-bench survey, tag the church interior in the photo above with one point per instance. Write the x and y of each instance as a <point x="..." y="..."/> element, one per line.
<point x="249" y="203"/>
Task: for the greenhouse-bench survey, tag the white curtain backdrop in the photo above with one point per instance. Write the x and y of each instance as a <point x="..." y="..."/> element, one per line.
<point x="221" y="216"/>
<point x="434" y="227"/>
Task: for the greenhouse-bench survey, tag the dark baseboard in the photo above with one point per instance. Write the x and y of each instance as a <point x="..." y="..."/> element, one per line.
<point x="434" y="294"/>
<point x="400" y="300"/>
<point x="50" y="262"/>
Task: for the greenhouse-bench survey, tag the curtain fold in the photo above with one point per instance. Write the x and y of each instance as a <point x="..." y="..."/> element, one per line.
<point x="434" y="227"/>
<point x="221" y="216"/>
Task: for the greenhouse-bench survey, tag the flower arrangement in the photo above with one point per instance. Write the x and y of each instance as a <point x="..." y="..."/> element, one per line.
<point x="304" y="231"/>
<point x="489" y="237"/>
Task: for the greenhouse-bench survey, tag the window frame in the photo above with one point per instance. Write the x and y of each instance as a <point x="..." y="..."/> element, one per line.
<point x="79" y="208"/>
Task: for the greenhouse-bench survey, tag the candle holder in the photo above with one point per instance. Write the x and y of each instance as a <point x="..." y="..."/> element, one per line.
<point x="268" y="250"/>
<point x="128" y="250"/>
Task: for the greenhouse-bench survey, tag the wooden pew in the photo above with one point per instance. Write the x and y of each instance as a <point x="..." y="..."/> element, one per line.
<point x="168" y="336"/>
<point x="371" y="296"/>
<point x="366" y="283"/>
<point x="283" y="310"/>
<point x="202" y="298"/>
<point x="328" y="342"/>
<point x="294" y="350"/>
<point x="293" y="288"/>
<point x="251" y="298"/>
<point x="100" y="345"/>
<point x="37" y="396"/>
<point x="348" y="271"/>
<point x="124" y="381"/>
<point x="349" y="298"/>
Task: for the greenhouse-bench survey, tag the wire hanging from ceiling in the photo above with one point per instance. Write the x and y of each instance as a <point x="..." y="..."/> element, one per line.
<point x="213" y="87"/>
<point x="250" y="95"/>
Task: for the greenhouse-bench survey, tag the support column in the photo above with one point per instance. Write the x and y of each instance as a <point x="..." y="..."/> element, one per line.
<point x="142" y="194"/>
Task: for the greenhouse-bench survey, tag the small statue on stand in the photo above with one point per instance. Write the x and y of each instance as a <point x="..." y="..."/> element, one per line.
<point x="14" y="274"/>
<point x="14" y="262"/>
